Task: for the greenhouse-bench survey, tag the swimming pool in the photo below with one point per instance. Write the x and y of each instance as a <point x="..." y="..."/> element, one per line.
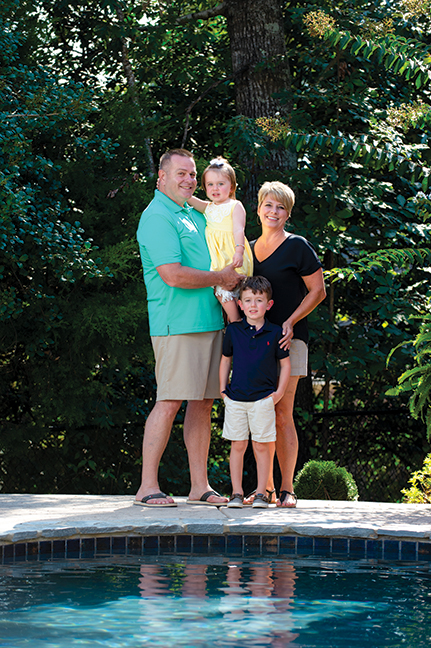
<point x="300" y="601"/>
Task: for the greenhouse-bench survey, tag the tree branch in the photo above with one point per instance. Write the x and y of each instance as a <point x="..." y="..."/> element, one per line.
<point x="219" y="10"/>
<point x="34" y="115"/>
<point x="131" y="83"/>
<point x="241" y="70"/>
<point x="213" y="85"/>
<point x="193" y="104"/>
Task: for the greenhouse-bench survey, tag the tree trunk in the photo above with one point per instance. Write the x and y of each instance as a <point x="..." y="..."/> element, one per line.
<point x="259" y="60"/>
<point x="261" y="71"/>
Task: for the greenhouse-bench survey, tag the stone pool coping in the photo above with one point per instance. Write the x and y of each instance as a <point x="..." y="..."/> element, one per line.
<point x="38" y="518"/>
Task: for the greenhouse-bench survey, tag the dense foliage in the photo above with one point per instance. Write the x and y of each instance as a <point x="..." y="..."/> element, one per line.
<point x="70" y="325"/>
<point x="91" y="93"/>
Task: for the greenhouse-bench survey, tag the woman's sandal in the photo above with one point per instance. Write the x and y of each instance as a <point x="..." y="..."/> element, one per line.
<point x="283" y="496"/>
<point x="269" y="496"/>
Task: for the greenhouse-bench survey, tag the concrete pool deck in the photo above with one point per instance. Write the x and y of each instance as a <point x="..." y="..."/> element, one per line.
<point x="36" y="518"/>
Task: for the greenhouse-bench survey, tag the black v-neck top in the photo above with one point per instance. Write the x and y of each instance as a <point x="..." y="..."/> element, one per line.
<point x="284" y="268"/>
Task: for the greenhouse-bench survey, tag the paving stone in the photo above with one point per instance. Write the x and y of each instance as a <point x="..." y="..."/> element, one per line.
<point x="255" y="529"/>
<point x="205" y="527"/>
<point x="332" y="530"/>
<point x="405" y="532"/>
<point x="29" y="517"/>
<point x="23" y="536"/>
<point x="103" y="529"/>
<point x="58" y="532"/>
<point x="160" y="528"/>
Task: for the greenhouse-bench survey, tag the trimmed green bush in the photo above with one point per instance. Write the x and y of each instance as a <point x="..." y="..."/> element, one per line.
<point x="325" y="480"/>
<point x="420" y="489"/>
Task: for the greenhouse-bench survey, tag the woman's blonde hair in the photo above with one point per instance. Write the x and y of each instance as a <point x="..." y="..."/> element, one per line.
<point x="222" y="165"/>
<point x="280" y="191"/>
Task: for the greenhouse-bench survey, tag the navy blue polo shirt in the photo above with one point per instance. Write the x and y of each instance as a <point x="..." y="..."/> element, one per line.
<point x="255" y="355"/>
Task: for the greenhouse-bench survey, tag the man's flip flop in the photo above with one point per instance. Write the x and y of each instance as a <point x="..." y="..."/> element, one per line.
<point x="146" y="501"/>
<point x="204" y="499"/>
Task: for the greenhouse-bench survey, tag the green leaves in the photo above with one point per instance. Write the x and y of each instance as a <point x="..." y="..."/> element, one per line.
<point x="417" y="380"/>
<point x="73" y="315"/>
<point x="385" y="260"/>
<point x="367" y="150"/>
<point x="405" y="57"/>
<point x="420" y="490"/>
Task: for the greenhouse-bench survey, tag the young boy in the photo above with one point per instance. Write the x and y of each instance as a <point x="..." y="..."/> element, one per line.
<point x="253" y="392"/>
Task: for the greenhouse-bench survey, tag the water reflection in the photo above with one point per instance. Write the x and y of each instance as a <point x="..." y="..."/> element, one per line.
<point x="248" y="593"/>
<point x="215" y="601"/>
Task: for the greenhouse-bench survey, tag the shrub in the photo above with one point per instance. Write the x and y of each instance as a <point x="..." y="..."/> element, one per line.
<point x="420" y="489"/>
<point x="325" y="480"/>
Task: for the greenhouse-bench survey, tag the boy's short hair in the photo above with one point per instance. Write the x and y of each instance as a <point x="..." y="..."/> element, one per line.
<point x="256" y="284"/>
<point x="280" y="191"/>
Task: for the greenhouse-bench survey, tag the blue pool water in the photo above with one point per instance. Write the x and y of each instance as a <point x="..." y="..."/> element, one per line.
<point x="185" y="600"/>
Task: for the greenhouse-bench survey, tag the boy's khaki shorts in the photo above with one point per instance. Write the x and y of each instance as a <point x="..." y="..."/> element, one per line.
<point x="187" y="366"/>
<point x="242" y="418"/>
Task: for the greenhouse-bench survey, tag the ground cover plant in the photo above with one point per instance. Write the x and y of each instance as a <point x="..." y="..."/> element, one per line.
<point x="419" y="491"/>
<point x="325" y="480"/>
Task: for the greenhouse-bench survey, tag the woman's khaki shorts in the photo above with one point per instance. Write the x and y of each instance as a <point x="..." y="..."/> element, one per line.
<point x="298" y="354"/>
<point x="187" y="366"/>
<point x="244" y="418"/>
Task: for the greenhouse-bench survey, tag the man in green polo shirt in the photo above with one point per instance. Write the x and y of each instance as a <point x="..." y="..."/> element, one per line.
<point x="185" y="326"/>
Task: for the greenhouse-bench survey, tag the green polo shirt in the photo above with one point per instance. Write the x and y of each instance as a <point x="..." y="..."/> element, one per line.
<point x="169" y="233"/>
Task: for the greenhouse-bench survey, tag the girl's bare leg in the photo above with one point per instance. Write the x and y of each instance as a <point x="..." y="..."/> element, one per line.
<point x="231" y="309"/>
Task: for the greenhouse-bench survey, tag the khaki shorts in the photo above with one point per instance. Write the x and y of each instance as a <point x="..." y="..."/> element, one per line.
<point x="298" y="354"/>
<point x="242" y="418"/>
<point x="187" y="366"/>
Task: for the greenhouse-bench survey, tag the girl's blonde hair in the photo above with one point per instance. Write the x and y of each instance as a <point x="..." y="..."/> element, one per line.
<point x="222" y="165"/>
<point x="280" y="191"/>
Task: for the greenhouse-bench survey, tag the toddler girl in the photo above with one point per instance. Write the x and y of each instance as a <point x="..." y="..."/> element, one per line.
<point x="224" y="232"/>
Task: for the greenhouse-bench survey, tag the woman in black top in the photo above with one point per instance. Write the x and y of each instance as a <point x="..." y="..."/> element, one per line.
<point x="291" y="265"/>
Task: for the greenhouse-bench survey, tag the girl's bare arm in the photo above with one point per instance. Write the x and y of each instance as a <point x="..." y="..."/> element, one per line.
<point x="238" y="219"/>
<point x="198" y="204"/>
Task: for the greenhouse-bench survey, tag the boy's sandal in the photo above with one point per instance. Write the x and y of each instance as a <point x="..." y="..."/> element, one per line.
<point x="253" y="494"/>
<point x="283" y="496"/>
<point x="260" y="501"/>
<point x="236" y="501"/>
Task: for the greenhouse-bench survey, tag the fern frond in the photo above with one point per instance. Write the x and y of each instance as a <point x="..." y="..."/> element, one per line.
<point x="403" y="56"/>
<point x="365" y="149"/>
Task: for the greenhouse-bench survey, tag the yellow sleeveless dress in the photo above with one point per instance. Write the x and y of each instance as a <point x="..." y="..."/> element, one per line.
<point x="220" y="241"/>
